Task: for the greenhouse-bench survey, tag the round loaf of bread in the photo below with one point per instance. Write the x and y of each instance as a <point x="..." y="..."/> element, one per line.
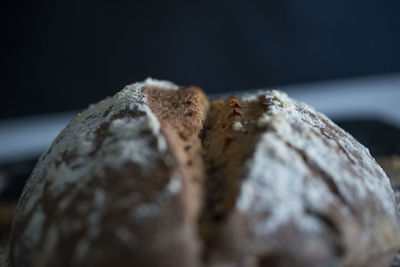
<point x="158" y="175"/>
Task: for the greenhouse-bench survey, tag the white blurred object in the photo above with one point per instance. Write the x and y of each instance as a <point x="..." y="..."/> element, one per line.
<point x="376" y="97"/>
<point x="27" y="137"/>
<point x="369" y="97"/>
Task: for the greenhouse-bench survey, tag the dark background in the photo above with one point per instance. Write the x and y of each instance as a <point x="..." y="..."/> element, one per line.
<point x="63" y="55"/>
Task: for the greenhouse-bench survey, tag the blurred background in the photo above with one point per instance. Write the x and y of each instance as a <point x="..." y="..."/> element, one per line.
<point x="63" y="55"/>
<point x="342" y="56"/>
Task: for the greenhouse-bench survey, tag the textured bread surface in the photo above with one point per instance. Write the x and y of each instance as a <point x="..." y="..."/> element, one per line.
<point x="228" y="141"/>
<point x="114" y="188"/>
<point x="309" y="194"/>
<point x="159" y="176"/>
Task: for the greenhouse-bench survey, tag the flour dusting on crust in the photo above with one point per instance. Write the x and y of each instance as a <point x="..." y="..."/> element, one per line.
<point x="299" y="143"/>
<point x="126" y="126"/>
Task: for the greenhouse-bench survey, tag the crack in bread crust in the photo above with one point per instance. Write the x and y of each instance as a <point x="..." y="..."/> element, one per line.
<point x="228" y="140"/>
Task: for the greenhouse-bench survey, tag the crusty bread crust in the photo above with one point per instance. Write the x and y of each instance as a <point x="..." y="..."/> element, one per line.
<point x="136" y="180"/>
<point x="310" y="194"/>
<point x="113" y="188"/>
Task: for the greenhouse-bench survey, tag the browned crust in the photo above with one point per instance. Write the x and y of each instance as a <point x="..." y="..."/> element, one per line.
<point x="226" y="149"/>
<point x="166" y="239"/>
<point x="181" y="114"/>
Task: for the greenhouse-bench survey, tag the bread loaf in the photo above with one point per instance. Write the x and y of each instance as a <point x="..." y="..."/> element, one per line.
<point x="158" y="175"/>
